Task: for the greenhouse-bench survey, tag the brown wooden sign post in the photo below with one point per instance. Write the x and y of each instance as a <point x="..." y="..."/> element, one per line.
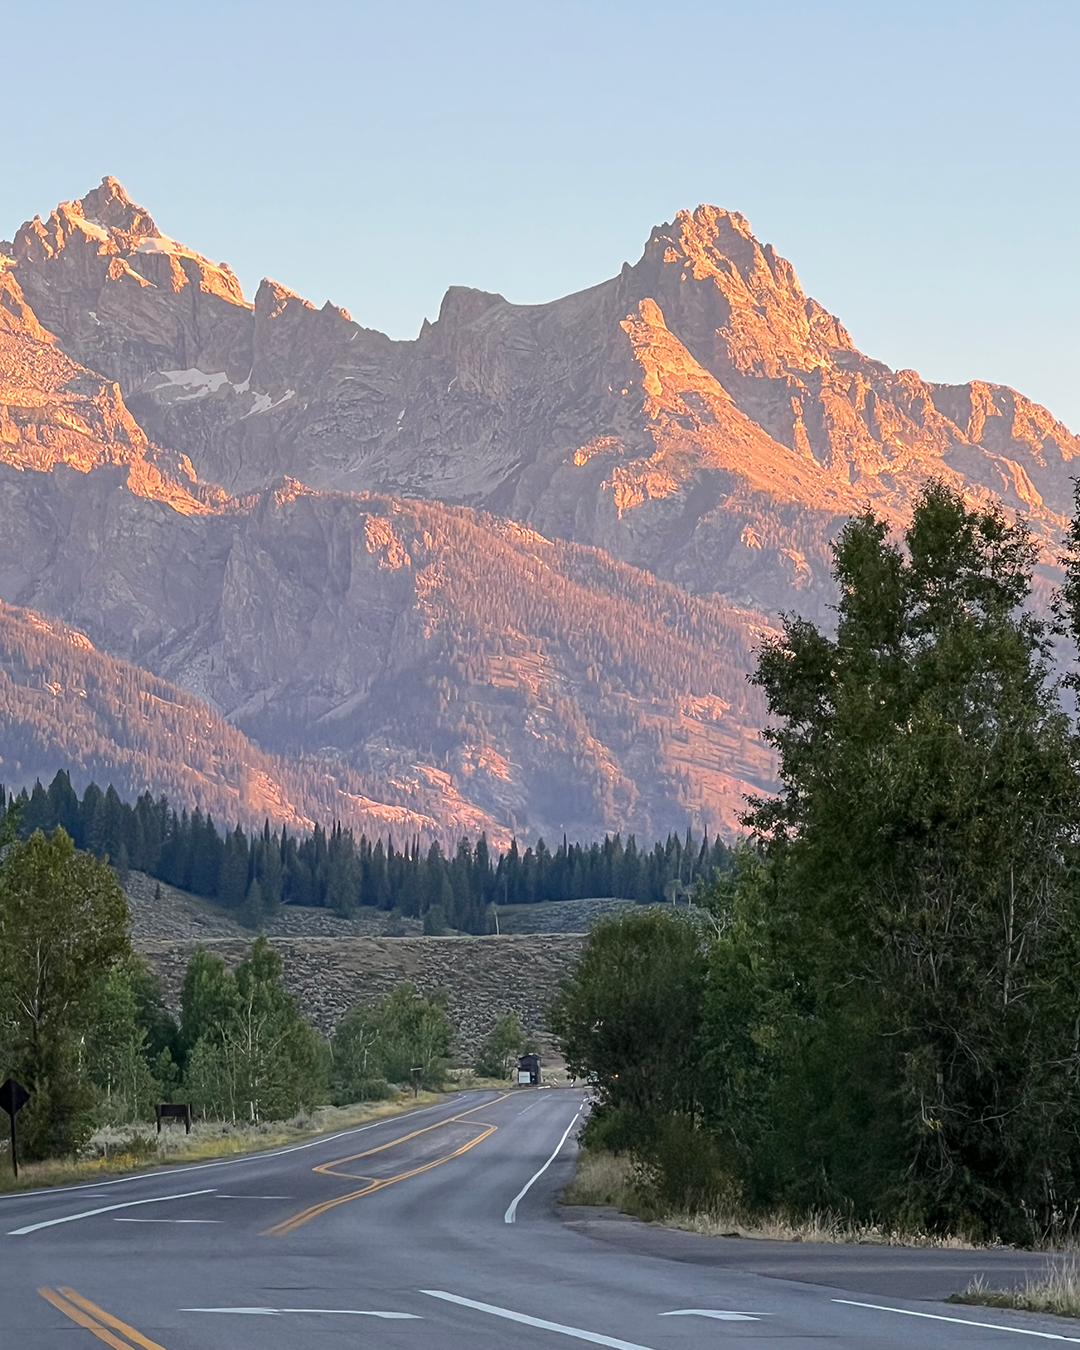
<point x="174" y="1111"/>
<point x="13" y="1097"/>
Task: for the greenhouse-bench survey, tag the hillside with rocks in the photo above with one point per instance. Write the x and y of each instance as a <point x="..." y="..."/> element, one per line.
<point x="486" y="977"/>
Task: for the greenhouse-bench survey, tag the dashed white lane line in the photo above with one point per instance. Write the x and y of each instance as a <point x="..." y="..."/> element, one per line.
<point x="105" y="1209"/>
<point x="511" y="1213"/>
<point x="962" y="1321"/>
<point x="512" y="1315"/>
<point x="278" y="1312"/>
<point x="716" y="1313"/>
<point x="125" y="1220"/>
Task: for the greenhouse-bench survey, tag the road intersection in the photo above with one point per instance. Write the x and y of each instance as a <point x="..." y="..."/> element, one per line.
<point x="435" y="1229"/>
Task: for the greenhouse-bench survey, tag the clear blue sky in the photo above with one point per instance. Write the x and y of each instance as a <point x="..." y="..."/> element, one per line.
<point x="917" y="162"/>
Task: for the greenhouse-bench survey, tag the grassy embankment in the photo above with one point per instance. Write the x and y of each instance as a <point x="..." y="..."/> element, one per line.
<point x="139" y="1147"/>
<point x="613" y="1180"/>
<point x="1056" y="1291"/>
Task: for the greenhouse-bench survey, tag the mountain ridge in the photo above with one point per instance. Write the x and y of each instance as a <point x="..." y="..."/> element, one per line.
<point x="696" y="414"/>
<point x="512" y="570"/>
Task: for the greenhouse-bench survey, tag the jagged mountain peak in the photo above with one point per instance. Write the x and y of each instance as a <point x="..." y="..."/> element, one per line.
<point x="109" y="205"/>
<point x="690" y="404"/>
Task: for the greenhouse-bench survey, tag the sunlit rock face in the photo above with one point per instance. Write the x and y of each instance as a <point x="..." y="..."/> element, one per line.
<point x="452" y="666"/>
<point x="622" y="487"/>
<point x="696" y="415"/>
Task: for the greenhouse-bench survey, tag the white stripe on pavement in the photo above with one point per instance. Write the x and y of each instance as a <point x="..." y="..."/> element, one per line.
<point x="513" y="1316"/>
<point x="278" y="1312"/>
<point x="105" y="1209"/>
<point x="511" y="1213"/>
<point x="962" y="1321"/>
<point x="229" y="1162"/>
<point x="715" y="1313"/>
<point x="125" y="1220"/>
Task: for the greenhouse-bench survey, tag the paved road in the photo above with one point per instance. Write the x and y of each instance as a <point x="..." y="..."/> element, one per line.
<point x="395" y="1235"/>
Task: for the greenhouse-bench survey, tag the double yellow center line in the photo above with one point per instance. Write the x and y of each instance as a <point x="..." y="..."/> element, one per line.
<point x="104" y="1325"/>
<point x="379" y="1183"/>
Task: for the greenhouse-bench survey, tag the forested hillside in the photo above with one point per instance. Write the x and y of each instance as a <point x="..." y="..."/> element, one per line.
<point x="253" y="874"/>
<point x="64" y="705"/>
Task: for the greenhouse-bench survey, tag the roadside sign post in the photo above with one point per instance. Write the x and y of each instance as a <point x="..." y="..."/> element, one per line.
<point x="417" y="1075"/>
<point x="175" y="1111"/>
<point x="13" y="1097"/>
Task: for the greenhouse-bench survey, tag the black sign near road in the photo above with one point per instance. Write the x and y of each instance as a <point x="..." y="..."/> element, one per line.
<point x="13" y="1097"/>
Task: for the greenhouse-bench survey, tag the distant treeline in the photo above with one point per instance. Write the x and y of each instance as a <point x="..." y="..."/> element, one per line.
<point x="255" y="873"/>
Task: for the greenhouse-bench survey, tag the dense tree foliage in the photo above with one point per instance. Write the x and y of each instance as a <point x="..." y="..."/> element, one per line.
<point x="382" y="1042"/>
<point x="255" y="873"/>
<point x="248" y="1051"/>
<point x="502" y="1046"/>
<point x="84" y="1027"/>
<point x="888" y="1018"/>
<point x="63" y="932"/>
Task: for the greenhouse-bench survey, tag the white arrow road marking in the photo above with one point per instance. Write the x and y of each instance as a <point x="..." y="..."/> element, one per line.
<point x="716" y="1313"/>
<point x="278" y="1312"/>
<point x="511" y="1213"/>
<point x="513" y="1316"/>
<point x="105" y="1209"/>
<point x="963" y="1321"/>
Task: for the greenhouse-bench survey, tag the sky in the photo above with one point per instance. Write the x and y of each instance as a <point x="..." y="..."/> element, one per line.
<point x="917" y="162"/>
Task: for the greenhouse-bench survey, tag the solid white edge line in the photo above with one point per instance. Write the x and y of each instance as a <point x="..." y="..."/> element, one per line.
<point x="513" y="1316"/>
<point x="962" y="1321"/>
<point x="105" y="1209"/>
<point x="150" y="1175"/>
<point x="511" y="1212"/>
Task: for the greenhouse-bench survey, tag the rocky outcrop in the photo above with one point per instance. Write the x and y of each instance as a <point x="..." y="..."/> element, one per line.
<point x="697" y="415"/>
<point x="125" y="299"/>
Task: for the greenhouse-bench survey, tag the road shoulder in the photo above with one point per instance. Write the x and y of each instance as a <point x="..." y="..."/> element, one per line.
<point x="884" y="1271"/>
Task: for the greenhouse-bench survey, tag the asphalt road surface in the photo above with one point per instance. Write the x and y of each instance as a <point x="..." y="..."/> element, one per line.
<point x="423" y="1232"/>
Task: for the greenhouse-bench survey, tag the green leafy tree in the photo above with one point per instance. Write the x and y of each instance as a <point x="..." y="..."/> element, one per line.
<point x="116" y="1046"/>
<point x="63" y="931"/>
<point x="922" y="908"/>
<point x="252" y="910"/>
<point x="208" y="1001"/>
<point x="502" y="1046"/>
<point x="628" y="1019"/>
<point x="252" y="1055"/>
<point x="382" y="1042"/>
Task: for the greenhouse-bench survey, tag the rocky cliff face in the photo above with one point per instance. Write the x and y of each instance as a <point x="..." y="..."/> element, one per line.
<point x="65" y="705"/>
<point x="697" y="415"/>
<point x="459" y="666"/>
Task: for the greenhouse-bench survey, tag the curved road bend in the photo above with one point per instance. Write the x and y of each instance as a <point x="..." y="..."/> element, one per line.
<point x="395" y="1235"/>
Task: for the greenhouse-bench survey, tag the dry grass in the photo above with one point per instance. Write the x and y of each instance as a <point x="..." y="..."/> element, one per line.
<point x="138" y="1147"/>
<point x="602" y="1179"/>
<point x="614" y="1179"/>
<point x="817" y="1226"/>
<point x="1057" y="1291"/>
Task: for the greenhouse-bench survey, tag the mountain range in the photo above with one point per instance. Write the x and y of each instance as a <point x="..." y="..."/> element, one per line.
<point x="508" y="575"/>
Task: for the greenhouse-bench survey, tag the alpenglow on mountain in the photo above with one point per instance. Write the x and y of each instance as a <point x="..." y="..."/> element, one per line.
<point x="510" y="575"/>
